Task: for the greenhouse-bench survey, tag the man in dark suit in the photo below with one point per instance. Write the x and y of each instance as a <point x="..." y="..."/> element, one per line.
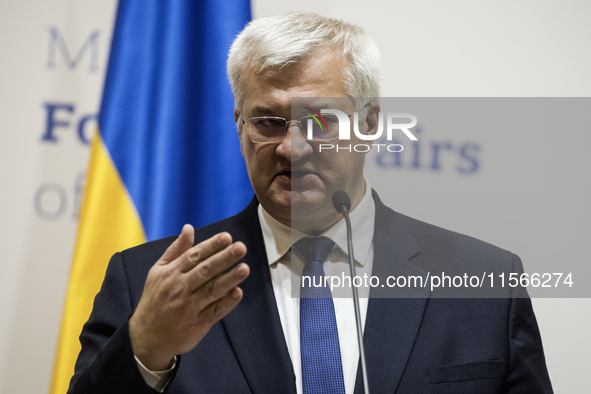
<point x="170" y="315"/>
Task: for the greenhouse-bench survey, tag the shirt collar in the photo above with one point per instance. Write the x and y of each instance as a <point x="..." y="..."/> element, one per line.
<point x="278" y="237"/>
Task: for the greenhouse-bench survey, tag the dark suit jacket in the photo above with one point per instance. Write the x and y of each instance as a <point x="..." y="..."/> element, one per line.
<point x="413" y="345"/>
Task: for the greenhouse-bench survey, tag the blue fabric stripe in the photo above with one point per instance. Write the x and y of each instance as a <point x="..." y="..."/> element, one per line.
<point x="167" y="111"/>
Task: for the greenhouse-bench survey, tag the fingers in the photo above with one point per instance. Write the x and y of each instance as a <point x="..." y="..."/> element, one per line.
<point x="217" y="250"/>
<point x="179" y="246"/>
<point x="204" y="268"/>
<point x="219" y="309"/>
<point x="219" y="285"/>
<point x="216" y="265"/>
<point x="220" y="295"/>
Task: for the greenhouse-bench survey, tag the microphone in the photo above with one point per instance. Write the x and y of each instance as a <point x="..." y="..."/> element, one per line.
<point x="342" y="203"/>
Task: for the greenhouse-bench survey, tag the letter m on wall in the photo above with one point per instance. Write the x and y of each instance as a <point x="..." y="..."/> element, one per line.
<point x="57" y="45"/>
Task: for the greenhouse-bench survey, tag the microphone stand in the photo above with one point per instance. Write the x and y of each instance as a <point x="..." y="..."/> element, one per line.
<point x="344" y="210"/>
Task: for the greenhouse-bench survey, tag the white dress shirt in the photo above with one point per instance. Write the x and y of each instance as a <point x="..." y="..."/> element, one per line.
<point x="286" y="268"/>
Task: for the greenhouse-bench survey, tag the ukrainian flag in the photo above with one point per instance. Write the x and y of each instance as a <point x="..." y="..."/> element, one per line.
<point x="167" y="151"/>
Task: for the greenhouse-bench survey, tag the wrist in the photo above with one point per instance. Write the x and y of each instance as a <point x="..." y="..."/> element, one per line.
<point x="145" y="351"/>
<point x="154" y="363"/>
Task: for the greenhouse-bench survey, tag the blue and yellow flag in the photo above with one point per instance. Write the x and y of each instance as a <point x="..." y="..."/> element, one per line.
<point x="167" y="151"/>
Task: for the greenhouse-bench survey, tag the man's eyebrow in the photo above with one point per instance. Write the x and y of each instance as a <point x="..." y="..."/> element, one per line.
<point x="317" y="106"/>
<point x="260" y="110"/>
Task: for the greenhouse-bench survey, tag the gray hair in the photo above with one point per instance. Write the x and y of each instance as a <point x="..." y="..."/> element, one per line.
<point x="276" y="41"/>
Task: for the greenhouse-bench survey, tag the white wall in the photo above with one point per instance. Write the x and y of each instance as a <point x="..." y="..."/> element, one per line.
<point x="41" y="179"/>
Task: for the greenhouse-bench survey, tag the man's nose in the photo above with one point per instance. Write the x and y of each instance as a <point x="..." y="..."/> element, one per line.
<point x="294" y="145"/>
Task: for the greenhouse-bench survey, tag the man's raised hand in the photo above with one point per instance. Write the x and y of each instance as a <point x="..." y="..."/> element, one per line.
<point x="187" y="291"/>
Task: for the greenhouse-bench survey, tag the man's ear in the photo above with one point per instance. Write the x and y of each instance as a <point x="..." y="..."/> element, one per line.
<point x="237" y="121"/>
<point x="372" y="118"/>
<point x="236" y="115"/>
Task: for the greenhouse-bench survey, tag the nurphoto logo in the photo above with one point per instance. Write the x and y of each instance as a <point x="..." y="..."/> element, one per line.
<point x="331" y="124"/>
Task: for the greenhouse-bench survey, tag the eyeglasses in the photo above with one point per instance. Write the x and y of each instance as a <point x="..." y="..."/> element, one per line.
<point x="272" y="129"/>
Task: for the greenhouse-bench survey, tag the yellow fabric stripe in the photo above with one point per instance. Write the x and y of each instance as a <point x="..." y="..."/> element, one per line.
<point x="108" y="223"/>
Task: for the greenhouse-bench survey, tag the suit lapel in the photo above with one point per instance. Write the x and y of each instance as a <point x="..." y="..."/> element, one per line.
<point x="254" y="327"/>
<point x="394" y="314"/>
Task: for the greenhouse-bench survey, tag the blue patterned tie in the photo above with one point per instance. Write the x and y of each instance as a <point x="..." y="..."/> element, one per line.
<point x="322" y="370"/>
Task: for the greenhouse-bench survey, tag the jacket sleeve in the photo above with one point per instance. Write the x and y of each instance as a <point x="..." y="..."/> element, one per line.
<point x="527" y="371"/>
<point x="106" y="363"/>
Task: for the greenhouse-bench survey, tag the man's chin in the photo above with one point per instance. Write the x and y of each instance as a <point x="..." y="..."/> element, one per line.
<point x="311" y="212"/>
<point x="307" y="201"/>
<point x="302" y="210"/>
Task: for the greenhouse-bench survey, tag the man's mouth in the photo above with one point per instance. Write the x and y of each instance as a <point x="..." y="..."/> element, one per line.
<point x="296" y="176"/>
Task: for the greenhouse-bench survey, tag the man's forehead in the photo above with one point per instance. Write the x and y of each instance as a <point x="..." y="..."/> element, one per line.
<point x="271" y="90"/>
<point x="301" y="106"/>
